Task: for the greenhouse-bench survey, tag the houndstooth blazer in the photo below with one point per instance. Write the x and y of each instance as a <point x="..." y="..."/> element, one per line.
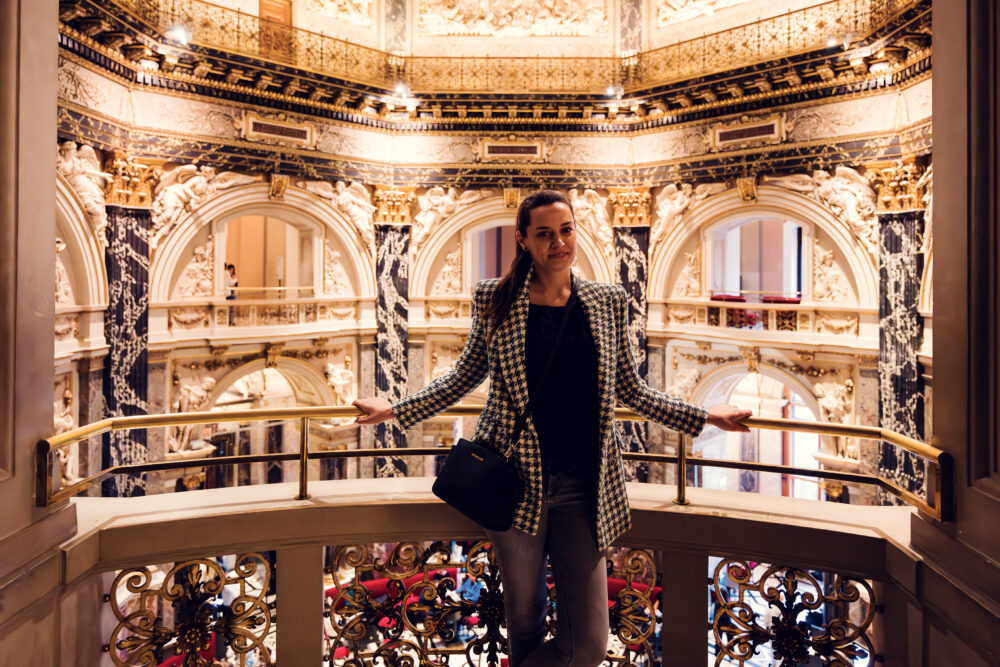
<point x="618" y="381"/>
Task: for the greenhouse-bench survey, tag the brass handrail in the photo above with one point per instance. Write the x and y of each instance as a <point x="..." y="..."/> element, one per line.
<point x="45" y="495"/>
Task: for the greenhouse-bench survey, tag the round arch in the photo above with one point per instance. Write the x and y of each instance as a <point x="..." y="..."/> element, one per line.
<point x="734" y="371"/>
<point x="89" y="277"/>
<point x="298" y="206"/>
<point x="771" y="201"/>
<point x="487" y="212"/>
<point x="308" y="384"/>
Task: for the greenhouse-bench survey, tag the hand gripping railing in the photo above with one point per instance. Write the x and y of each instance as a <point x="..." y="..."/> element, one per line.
<point x="937" y="505"/>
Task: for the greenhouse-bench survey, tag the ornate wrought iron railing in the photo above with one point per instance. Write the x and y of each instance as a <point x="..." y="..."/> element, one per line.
<point x="794" y="32"/>
<point x="936" y="503"/>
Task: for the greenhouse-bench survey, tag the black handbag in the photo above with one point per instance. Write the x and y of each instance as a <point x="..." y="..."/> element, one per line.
<point x="480" y="481"/>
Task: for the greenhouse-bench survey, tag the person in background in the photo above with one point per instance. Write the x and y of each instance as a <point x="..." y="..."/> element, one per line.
<point x="231" y="281"/>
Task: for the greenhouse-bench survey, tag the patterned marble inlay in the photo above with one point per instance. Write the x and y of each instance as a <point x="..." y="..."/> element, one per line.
<point x="630" y="31"/>
<point x="126" y="326"/>
<point x="901" y="331"/>
<point x="395" y="25"/>
<point x="631" y="248"/>
<point x="391" y="313"/>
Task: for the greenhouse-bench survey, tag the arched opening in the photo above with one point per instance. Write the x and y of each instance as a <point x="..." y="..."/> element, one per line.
<point x="267" y="256"/>
<point x="767" y="396"/>
<point x="492" y="251"/>
<point x="757" y="260"/>
<point x="289" y="383"/>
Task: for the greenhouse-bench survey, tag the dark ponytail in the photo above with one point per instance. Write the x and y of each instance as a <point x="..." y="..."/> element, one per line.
<point x="510" y="284"/>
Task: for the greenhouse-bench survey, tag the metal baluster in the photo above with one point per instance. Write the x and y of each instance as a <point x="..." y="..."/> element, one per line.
<point x="682" y="471"/>
<point x="303" y="459"/>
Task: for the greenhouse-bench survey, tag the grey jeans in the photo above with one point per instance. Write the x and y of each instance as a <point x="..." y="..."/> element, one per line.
<point x="566" y="534"/>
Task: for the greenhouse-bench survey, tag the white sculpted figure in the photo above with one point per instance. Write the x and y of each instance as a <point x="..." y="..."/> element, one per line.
<point x="82" y="169"/>
<point x="826" y="277"/>
<point x="591" y="212"/>
<point x="834" y="400"/>
<point x="673" y="202"/>
<point x="352" y="200"/>
<point x="62" y="421"/>
<point x="335" y="279"/>
<point x="927" y="183"/>
<point x="182" y="189"/>
<point x="437" y="204"/>
<point x="198" y="276"/>
<point x="191" y="397"/>
<point x="341" y="379"/>
<point x="64" y="289"/>
<point x="846" y="192"/>
<point x="449" y="281"/>
<point x="689" y="281"/>
<point x="684" y="383"/>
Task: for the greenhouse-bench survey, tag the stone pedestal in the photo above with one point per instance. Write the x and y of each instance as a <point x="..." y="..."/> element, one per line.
<point x="125" y="329"/>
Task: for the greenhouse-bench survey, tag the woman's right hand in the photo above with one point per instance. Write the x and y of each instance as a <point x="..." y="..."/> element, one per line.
<point x="376" y="410"/>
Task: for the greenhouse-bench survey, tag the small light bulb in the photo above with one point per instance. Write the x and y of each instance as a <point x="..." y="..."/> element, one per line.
<point x="179" y="34"/>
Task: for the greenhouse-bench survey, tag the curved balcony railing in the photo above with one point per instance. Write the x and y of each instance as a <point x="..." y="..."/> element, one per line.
<point x="936" y="504"/>
<point x="797" y="31"/>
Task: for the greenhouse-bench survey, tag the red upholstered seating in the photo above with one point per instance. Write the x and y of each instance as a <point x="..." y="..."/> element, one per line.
<point x="615" y="586"/>
<point x="781" y="299"/>
<point x="729" y="297"/>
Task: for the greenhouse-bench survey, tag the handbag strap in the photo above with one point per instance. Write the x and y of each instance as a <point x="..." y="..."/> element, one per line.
<point x="522" y="418"/>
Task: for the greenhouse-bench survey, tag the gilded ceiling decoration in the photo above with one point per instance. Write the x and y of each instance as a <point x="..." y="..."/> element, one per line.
<point x="670" y="12"/>
<point x="513" y="18"/>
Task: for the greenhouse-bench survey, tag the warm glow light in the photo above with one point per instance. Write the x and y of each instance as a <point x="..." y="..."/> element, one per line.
<point x="402" y="90"/>
<point x="179" y="34"/>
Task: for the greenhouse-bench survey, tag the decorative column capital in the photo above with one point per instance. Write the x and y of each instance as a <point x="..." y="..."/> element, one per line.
<point x="393" y="205"/>
<point x="898" y="185"/>
<point x="132" y="181"/>
<point x="631" y="206"/>
<point x="511" y="197"/>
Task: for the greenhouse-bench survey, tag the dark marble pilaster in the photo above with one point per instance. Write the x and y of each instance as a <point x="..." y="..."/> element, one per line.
<point x="391" y="313"/>
<point x="90" y="374"/>
<point x="631" y="255"/>
<point x="395" y="25"/>
<point x="126" y="330"/>
<point x="901" y="399"/>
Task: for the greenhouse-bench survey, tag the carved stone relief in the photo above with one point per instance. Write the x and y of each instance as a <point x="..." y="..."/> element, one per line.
<point x="198" y="277"/>
<point x="689" y="281"/>
<point x="437" y="204"/>
<point x="926" y="183"/>
<point x="443" y="357"/>
<point x="670" y="12"/>
<point x="188" y="318"/>
<point x="336" y="282"/>
<point x="183" y="189"/>
<point x="449" y="281"/>
<point x="673" y="202"/>
<point x="339" y="374"/>
<point x="353" y="200"/>
<point x="591" y="212"/>
<point x="847" y="193"/>
<point x="63" y="287"/>
<point x="66" y="327"/>
<point x="64" y="420"/>
<point x="836" y="403"/>
<point x="82" y="169"/>
<point x="837" y="323"/>
<point x="512" y="18"/>
<point x="829" y="283"/>
<point x="192" y="392"/>
<point x="684" y="382"/>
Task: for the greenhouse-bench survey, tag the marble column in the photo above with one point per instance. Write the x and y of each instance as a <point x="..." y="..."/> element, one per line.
<point x="418" y="465"/>
<point x="126" y="331"/>
<point x="157" y="399"/>
<point x="631" y="254"/>
<point x="364" y="467"/>
<point x="901" y="404"/>
<point x="391" y="316"/>
<point x="90" y="380"/>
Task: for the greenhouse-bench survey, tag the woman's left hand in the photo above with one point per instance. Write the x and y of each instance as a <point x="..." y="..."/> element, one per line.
<point x="727" y="418"/>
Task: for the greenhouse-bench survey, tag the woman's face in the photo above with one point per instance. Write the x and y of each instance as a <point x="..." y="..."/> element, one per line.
<point x="550" y="237"/>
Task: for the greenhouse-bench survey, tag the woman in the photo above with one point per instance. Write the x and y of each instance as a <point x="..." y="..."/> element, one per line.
<point x="569" y="453"/>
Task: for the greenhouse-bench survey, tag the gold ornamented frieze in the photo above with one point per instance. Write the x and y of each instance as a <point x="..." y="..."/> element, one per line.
<point x="747" y="188"/>
<point x="132" y="182"/>
<point x="392" y="205"/>
<point x="631" y="207"/>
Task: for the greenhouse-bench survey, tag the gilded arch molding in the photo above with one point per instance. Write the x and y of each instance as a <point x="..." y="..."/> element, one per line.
<point x="771" y="200"/>
<point x="299" y="374"/>
<point x="297" y="205"/>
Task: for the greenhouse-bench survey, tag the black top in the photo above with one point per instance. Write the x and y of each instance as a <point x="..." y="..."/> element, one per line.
<point x="565" y="412"/>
